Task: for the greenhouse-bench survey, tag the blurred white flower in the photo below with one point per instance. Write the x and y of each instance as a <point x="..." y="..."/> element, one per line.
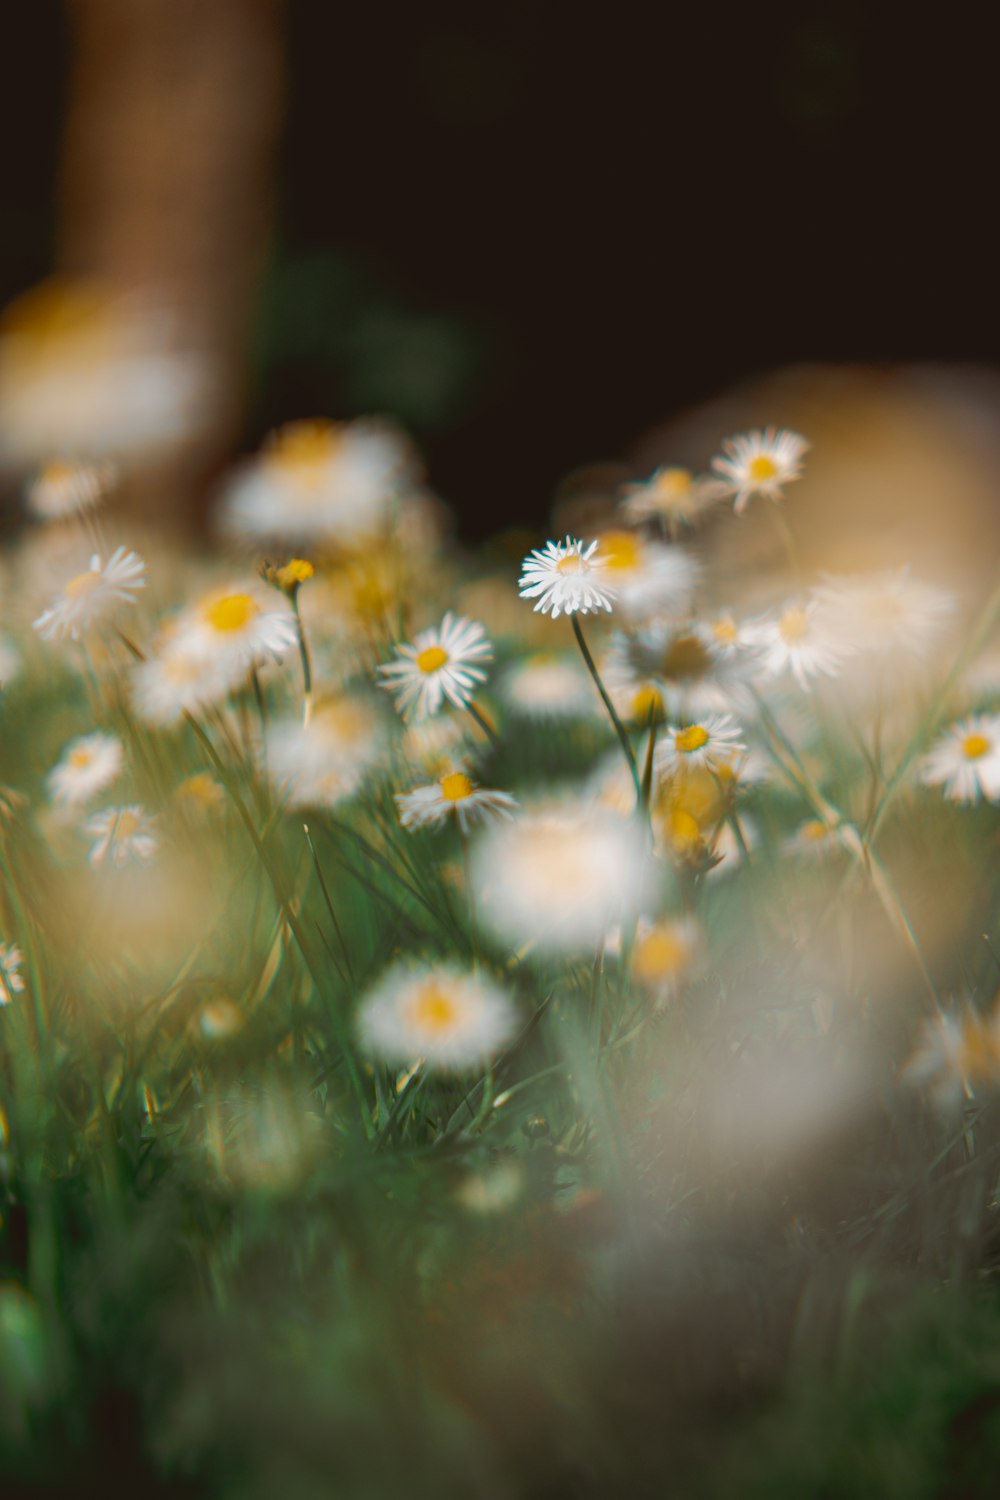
<point x="547" y="687"/>
<point x="678" y="668"/>
<point x="760" y="463"/>
<point x="663" y="953"/>
<point x="319" y="481"/>
<point x="440" y="663"/>
<point x="454" y="795"/>
<point x="798" y="641"/>
<point x="649" y="580"/>
<point x="321" y="763"/>
<point x="560" y="878"/>
<point x="673" y="497"/>
<point x="90" y="373"/>
<point x="235" y="630"/>
<point x="88" y="598"/>
<point x="438" y="1014"/>
<point x="63" y="489"/>
<point x="884" y="613"/>
<point x="816" y="839"/>
<point x="965" y="762"/>
<point x="88" y="765"/>
<point x="174" y="681"/>
<point x="121" y="835"/>
<point x="566" y="578"/>
<point x="956" y="1054"/>
<point x="11" y="981"/>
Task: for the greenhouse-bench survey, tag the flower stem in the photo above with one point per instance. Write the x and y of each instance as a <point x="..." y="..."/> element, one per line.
<point x="482" y="721"/>
<point x="306" y="661"/>
<point x="619" y="726"/>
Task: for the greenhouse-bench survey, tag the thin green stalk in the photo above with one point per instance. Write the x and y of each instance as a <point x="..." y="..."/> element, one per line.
<point x="620" y="730"/>
<point x="304" y="658"/>
<point x="480" y="718"/>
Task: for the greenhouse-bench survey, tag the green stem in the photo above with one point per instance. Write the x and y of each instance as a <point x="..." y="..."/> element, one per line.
<point x="619" y="726"/>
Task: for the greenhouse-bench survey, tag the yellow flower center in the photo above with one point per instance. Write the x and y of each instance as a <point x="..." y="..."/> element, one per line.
<point x="762" y="468"/>
<point x="455" y="787"/>
<point x="571" y="563"/>
<point x="682" y="829"/>
<point x="695" y="737"/>
<point x="126" y="824"/>
<point x="648" y="700"/>
<point x="303" y="449"/>
<point x="201" y="789"/>
<point x="234" y="612"/>
<point x="974" y="746"/>
<point x="660" y="954"/>
<point x="685" y="657"/>
<point x="724" y="629"/>
<point x="793" y="625"/>
<point x="620" y="549"/>
<point x="815" y="830"/>
<point x="80" y="757"/>
<point x="57" y="471"/>
<point x="295" y="571"/>
<point x="673" y="483"/>
<point x="431" y="658"/>
<point x="433" y="1009"/>
<point x="83" y="583"/>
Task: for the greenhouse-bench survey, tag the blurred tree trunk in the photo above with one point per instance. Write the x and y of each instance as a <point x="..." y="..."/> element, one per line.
<point x="173" y="119"/>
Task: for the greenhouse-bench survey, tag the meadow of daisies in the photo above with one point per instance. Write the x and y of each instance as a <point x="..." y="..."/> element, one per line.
<point x="503" y="1024"/>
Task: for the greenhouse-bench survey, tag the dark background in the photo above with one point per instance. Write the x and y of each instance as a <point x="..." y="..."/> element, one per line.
<point x="531" y="231"/>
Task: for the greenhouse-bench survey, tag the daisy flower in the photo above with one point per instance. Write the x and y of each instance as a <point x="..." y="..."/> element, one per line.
<point x="236" y="630"/>
<point x="679" y="667"/>
<point x="885" y="613"/>
<point x="440" y="663"/>
<point x="955" y="1054"/>
<point x="87" y="371"/>
<point x="437" y="1014"/>
<point x="815" y="840"/>
<point x="648" y="578"/>
<point x="64" y="489"/>
<point x="560" y="878"/>
<point x="548" y="687"/>
<point x="321" y="763"/>
<point x="760" y="463"/>
<point x="798" y="641"/>
<point x="663" y="953"/>
<point x="566" y="578"/>
<point x="965" y="762"/>
<point x="318" y="480"/>
<point x="457" y="794"/>
<point x="88" y="765"/>
<point x="671" y="496"/>
<point x="121" y="834"/>
<point x="175" y="681"/>
<point x="90" y="597"/>
<point x="11" y="981"/>
<point x="715" y="738"/>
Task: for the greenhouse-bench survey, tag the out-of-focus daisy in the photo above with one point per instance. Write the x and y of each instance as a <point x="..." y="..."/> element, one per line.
<point x="560" y="877"/>
<point x="705" y="743"/>
<point x="437" y="745"/>
<point x="547" y="687"/>
<point x="90" y="597"/>
<point x="438" y="1014"/>
<point x="798" y="641"/>
<point x="957" y="1054"/>
<point x="760" y="463"/>
<point x="11" y="980"/>
<point x="88" y="765"/>
<point x="663" y="954"/>
<point x="200" y="794"/>
<point x="671" y="496"/>
<point x="318" y="480"/>
<point x="176" y="680"/>
<point x="440" y="663"/>
<point x="454" y="795"/>
<point x="235" y="629"/>
<point x="679" y="667"/>
<point x="815" y="839"/>
<point x="566" y="578"/>
<point x="320" y="763"/>
<point x="649" y="580"/>
<point x="884" y="613"/>
<point x="89" y="372"/>
<point x="121" y="835"/>
<point x="965" y="762"/>
<point x="219" y="1019"/>
<point x="63" y="489"/>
